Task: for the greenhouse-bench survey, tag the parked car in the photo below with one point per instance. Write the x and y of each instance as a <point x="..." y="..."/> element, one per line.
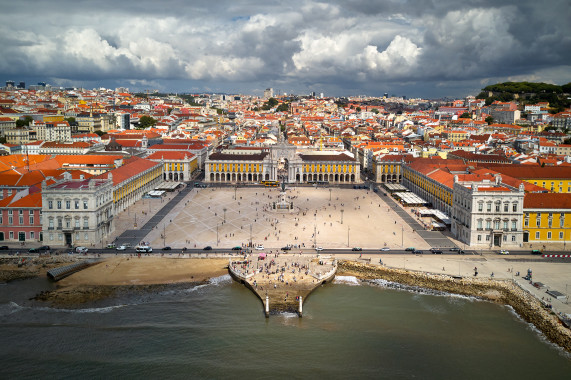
<point x="207" y="248"/>
<point x="167" y="248"/>
<point x="81" y="249"/>
<point x="121" y="248"/>
<point x="454" y="249"/>
<point x="319" y="249"/>
<point x="237" y="248"/>
<point x="356" y="249"/>
<point x="143" y="249"/>
<point x="111" y="246"/>
<point x="4" y="247"/>
<point x="44" y="248"/>
<point x="260" y="247"/>
<point x="535" y="252"/>
<point x="418" y="252"/>
<point x="504" y="252"/>
<point x="436" y="251"/>
<point x="410" y="249"/>
<point x="286" y="248"/>
<point x="34" y="250"/>
<point x="385" y="249"/>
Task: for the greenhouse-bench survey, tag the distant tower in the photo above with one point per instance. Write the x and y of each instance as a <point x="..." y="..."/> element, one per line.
<point x="22" y="85"/>
<point x="268" y="93"/>
<point x="9" y="84"/>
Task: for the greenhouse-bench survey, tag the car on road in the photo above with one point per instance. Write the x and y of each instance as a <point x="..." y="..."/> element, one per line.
<point x="319" y="249"/>
<point x="237" y="248"/>
<point x="121" y="248"/>
<point x="44" y="248"/>
<point x="4" y="247"/>
<point x="81" y="249"/>
<point x="260" y="247"/>
<point x="436" y="251"/>
<point x="385" y="249"/>
<point x="167" y="248"/>
<point x="535" y="252"/>
<point x="207" y="248"/>
<point x="286" y="248"/>
<point x="504" y="252"/>
<point x="410" y="249"/>
<point x="143" y="249"/>
<point x="33" y="250"/>
<point x="418" y="252"/>
<point x="356" y="249"/>
<point x="111" y="245"/>
<point x="454" y="249"/>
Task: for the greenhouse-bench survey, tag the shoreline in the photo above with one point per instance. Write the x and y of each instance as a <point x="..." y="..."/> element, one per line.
<point x="505" y="292"/>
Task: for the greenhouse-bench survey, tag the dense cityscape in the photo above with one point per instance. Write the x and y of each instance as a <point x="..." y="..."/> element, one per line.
<point x="494" y="169"/>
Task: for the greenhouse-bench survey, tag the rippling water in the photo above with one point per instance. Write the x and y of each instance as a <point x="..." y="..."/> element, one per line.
<point x="219" y="331"/>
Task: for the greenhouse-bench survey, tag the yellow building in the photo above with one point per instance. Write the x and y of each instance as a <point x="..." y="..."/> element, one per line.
<point x="547" y="218"/>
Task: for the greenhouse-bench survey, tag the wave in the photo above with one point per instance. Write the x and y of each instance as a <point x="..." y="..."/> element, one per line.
<point x="418" y="290"/>
<point x="347" y="280"/>
<point x="220" y="280"/>
<point x="13" y="307"/>
<point x="539" y="334"/>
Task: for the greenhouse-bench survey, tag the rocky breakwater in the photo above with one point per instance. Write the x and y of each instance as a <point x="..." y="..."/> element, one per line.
<point x="504" y="292"/>
<point x="283" y="280"/>
<point x="22" y="267"/>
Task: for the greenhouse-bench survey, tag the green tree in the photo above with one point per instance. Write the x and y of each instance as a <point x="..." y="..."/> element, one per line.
<point x="358" y="109"/>
<point x="70" y="120"/>
<point x="375" y="111"/>
<point x="489" y="120"/>
<point x="100" y="133"/>
<point x="2" y="140"/>
<point x="24" y="122"/>
<point x="284" y="107"/>
<point x="466" y="115"/>
<point x="146" y="122"/>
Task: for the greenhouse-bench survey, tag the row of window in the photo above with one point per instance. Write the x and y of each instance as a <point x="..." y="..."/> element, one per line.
<point x="505" y="238"/>
<point x="20" y="220"/>
<point x="76" y="204"/>
<point x="497" y="223"/>
<point x="31" y="235"/>
<point x="68" y="223"/>
<point x="77" y="236"/>
<point x="497" y="207"/>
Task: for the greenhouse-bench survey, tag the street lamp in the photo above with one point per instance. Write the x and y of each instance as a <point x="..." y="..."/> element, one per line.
<point x="342" y="216"/>
<point x="402" y="236"/>
<point x="217" y="240"/>
<point x="164" y="235"/>
<point x="224" y="209"/>
<point x="235" y="188"/>
<point x="329" y="194"/>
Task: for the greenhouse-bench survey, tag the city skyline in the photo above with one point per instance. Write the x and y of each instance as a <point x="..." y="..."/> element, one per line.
<point x="336" y="48"/>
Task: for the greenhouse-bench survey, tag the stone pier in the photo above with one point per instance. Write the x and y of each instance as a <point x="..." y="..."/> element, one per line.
<point x="282" y="281"/>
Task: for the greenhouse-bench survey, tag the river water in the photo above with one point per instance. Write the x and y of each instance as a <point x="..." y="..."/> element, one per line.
<point x="219" y="331"/>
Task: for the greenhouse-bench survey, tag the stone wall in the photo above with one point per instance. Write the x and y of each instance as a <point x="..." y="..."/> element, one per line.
<point x="504" y="292"/>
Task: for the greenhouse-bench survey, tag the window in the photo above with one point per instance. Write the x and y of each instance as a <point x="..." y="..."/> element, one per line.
<point x="489" y="207"/>
<point x="513" y="237"/>
<point x="537" y="235"/>
<point x="68" y="223"/>
<point x="60" y="237"/>
<point x="31" y="220"/>
<point x="506" y="207"/>
<point x="21" y="219"/>
<point x="32" y="235"/>
<point x="560" y="235"/>
<point x="497" y="207"/>
<point x="514" y="207"/>
<point x="487" y="237"/>
<point x="68" y="205"/>
<point x="51" y="236"/>
<point x="76" y="236"/>
<point x="480" y="223"/>
<point x="538" y="222"/>
<point x="59" y="205"/>
<point x="51" y="223"/>
<point x="85" y="223"/>
<point x="85" y="205"/>
<point x="505" y="238"/>
<point x="488" y="224"/>
<point x="480" y="207"/>
<point x="59" y="223"/>
<point x="50" y="205"/>
<point x="10" y="220"/>
<point x="505" y="224"/>
<point x="86" y="236"/>
<point x="549" y="223"/>
<point x="514" y="225"/>
<point x="497" y="224"/>
<point x="77" y="223"/>
<point x="479" y="237"/>
<point x="549" y="234"/>
<point x="11" y="234"/>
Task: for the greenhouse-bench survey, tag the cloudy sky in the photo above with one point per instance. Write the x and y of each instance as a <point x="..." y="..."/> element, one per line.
<point x="424" y="48"/>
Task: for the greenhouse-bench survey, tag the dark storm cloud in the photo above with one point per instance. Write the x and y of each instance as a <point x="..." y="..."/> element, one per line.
<point x="427" y="48"/>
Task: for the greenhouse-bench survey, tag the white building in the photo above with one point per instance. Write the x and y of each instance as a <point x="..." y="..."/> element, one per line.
<point x="488" y="214"/>
<point x="77" y="212"/>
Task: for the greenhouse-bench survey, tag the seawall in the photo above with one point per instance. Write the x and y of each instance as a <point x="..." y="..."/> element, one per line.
<point x="504" y="292"/>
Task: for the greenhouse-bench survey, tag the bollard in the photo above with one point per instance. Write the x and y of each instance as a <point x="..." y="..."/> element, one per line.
<point x="267" y="307"/>
<point x="300" y="306"/>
